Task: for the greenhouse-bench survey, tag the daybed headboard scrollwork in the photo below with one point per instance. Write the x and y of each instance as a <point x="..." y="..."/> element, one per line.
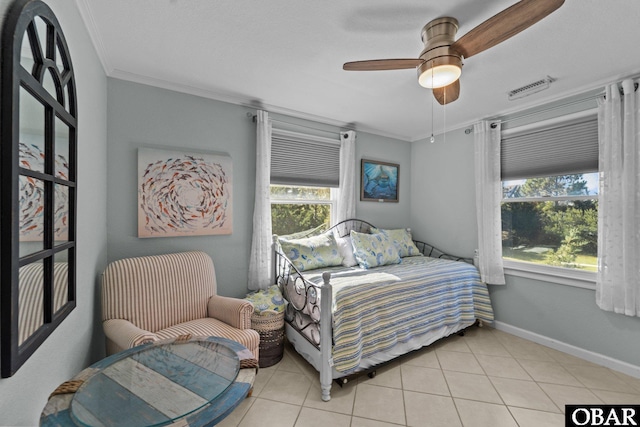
<point x="343" y="228"/>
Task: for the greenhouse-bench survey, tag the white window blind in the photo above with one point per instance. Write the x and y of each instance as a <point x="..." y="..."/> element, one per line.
<point x="301" y="159"/>
<point x="559" y="148"/>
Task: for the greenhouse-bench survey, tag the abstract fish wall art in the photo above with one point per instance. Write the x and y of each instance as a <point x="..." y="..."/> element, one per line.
<point x="183" y="194"/>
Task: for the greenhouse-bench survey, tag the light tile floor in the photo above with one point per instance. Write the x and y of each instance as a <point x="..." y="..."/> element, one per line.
<point x="487" y="378"/>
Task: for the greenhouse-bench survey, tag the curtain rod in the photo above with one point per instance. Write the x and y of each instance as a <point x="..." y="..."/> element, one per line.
<point x="254" y="117"/>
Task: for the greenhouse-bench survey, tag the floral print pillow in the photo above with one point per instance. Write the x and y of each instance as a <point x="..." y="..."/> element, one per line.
<point x="374" y="250"/>
<point x="401" y="238"/>
<point x="312" y="252"/>
<point x="267" y="300"/>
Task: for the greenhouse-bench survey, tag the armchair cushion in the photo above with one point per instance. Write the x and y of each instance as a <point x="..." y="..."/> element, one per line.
<point x="232" y="311"/>
<point x="208" y="327"/>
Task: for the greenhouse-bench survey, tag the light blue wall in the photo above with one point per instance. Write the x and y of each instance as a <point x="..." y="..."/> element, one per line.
<point x="443" y="213"/>
<point x="443" y="193"/>
<point x="385" y="215"/>
<point x="78" y="341"/>
<point x="145" y="116"/>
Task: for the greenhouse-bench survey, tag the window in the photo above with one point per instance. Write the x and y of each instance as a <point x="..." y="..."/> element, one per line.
<point x="305" y="176"/>
<point x="550" y="194"/>
<point x="38" y="202"/>
<point x="551" y="220"/>
<point x="296" y="209"/>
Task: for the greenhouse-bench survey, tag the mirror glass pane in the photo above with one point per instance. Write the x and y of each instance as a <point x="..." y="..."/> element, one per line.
<point x="30" y="299"/>
<point x="49" y="84"/>
<point x="31" y="144"/>
<point x="31" y="215"/>
<point x="62" y="150"/>
<point x="59" y="59"/>
<point x="61" y="214"/>
<point x="41" y="29"/>
<point x="26" y="55"/>
<point x="60" y="280"/>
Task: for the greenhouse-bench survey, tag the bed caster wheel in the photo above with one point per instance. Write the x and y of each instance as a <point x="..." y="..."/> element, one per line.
<point x="461" y="333"/>
<point x="372" y="374"/>
<point x="345" y="381"/>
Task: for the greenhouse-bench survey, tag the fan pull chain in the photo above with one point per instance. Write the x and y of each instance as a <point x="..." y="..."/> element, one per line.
<point x="432" y="139"/>
<point x="444" y="121"/>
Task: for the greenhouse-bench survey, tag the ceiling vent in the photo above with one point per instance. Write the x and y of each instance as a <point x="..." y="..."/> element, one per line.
<point x="531" y="88"/>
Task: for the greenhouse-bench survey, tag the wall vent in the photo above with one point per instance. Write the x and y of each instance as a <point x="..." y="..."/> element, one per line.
<point x="531" y="88"/>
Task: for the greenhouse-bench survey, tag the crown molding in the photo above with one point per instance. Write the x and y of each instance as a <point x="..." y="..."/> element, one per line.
<point x="248" y="102"/>
<point x="94" y="35"/>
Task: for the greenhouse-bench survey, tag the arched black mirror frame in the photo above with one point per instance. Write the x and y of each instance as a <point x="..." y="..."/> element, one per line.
<point x="20" y="20"/>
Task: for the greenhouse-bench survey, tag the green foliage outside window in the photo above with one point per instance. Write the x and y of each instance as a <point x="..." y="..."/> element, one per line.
<point x="556" y="232"/>
<point x="292" y="218"/>
<point x="301" y="213"/>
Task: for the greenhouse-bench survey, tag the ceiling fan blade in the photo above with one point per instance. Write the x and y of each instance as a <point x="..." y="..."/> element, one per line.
<point x="447" y="94"/>
<point x="382" y="64"/>
<point x="504" y="25"/>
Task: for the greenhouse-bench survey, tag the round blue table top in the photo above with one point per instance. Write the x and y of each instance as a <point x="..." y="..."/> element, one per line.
<point x="193" y="382"/>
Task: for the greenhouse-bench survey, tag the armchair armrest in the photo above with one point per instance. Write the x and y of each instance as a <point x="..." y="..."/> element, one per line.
<point x="232" y="311"/>
<point x="125" y="334"/>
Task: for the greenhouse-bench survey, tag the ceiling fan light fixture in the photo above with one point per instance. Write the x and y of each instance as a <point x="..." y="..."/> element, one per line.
<point x="440" y="72"/>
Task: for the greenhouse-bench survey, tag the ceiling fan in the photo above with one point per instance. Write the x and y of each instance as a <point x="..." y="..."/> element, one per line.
<point x="439" y="65"/>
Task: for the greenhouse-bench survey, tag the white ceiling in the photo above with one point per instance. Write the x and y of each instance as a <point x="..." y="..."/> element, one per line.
<point x="286" y="55"/>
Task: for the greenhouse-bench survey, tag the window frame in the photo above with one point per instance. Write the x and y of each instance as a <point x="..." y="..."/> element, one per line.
<point x="324" y="150"/>
<point x="548" y="273"/>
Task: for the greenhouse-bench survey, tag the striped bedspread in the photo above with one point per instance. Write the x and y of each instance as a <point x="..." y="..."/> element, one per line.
<point x="373" y="310"/>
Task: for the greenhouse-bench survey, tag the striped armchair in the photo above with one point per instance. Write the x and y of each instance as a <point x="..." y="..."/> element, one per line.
<point x="157" y="297"/>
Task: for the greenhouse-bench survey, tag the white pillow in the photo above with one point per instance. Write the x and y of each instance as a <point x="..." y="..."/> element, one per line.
<point x="346" y="251"/>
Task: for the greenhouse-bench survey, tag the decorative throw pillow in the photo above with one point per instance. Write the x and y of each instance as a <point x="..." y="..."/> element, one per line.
<point x="401" y="237"/>
<point x="312" y="252"/>
<point x="373" y="250"/>
<point x="267" y="299"/>
<point x="346" y="251"/>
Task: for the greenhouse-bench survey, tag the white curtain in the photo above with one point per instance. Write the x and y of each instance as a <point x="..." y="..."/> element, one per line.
<point x="347" y="196"/>
<point x="488" y="197"/>
<point x="618" y="279"/>
<point x="261" y="256"/>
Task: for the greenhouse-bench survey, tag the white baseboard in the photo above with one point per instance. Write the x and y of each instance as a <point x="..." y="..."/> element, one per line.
<point x="597" y="358"/>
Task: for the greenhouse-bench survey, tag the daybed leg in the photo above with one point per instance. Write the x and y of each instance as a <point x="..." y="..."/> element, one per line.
<point x="325" y="338"/>
<point x="480" y="323"/>
<point x="326" y="391"/>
